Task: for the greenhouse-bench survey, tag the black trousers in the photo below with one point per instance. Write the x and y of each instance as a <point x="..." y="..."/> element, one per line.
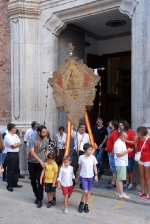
<point x="75" y="161"/>
<point x="12" y="168"/>
<point x="35" y="170"/>
<point x="4" y="158"/>
<point x="59" y="159"/>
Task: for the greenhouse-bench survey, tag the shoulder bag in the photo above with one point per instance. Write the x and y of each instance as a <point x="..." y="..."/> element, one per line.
<point x="137" y="156"/>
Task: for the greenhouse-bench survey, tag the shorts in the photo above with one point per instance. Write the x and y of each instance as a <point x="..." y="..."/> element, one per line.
<point x="67" y="190"/>
<point x="130" y="164"/>
<point x="146" y="164"/>
<point x="87" y="183"/>
<point x="121" y="172"/>
<point x="112" y="163"/>
<point x="49" y="188"/>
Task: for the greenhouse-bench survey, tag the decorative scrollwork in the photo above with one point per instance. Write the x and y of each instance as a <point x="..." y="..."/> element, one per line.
<point x="74" y="87"/>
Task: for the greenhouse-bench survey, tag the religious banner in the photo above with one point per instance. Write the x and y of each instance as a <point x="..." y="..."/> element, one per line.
<point x="74" y="87"/>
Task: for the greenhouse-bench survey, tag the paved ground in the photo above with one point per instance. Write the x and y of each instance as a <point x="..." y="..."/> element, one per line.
<point x="18" y="208"/>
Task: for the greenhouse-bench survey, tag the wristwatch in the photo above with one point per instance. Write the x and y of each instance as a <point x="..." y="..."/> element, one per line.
<point x="96" y="174"/>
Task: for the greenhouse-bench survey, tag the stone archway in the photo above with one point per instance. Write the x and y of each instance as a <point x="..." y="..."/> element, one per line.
<point x="35" y="28"/>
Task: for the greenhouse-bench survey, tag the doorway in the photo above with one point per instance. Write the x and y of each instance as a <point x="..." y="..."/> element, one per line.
<point x="115" y="88"/>
<point x="115" y="91"/>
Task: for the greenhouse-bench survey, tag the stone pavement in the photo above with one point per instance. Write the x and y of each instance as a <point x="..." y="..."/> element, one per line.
<point x="100" y="190"/>
<point x="18" y="208"/>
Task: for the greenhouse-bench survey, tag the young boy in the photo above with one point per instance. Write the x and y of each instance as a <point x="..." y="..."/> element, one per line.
<point x="50" y="171"/>
<point x="87" y="163"/>
<point x="66" y="175"/>
<point x="121" y="162"/>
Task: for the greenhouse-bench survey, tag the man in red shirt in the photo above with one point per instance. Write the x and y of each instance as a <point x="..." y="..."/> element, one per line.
<point x="113" y="137"/>
<point x="130" y="143"/>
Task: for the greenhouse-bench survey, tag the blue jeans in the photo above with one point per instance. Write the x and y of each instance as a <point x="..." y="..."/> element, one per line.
<point x="112" y="163"/>
<point x="99" y="153"/>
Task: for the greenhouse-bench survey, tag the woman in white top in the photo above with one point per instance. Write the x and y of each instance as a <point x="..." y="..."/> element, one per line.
<point x="60" y="138"/>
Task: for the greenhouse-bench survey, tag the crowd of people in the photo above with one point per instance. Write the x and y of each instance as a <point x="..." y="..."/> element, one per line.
<point x="49" y="168"/>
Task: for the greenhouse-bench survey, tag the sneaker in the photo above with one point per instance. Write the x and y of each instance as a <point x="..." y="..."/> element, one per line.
<point x="81" y="207"/>
<point x="49" y="205"/>
<point x="117" y="194"/>
<point x="147" y="198"/>
<point x="86" y="208"/>
<point x="111" y="185"/>
<point x="130" y="187"/>
<point x="124" y="196"/>
<point x="125" y="186"/>
<point x="141" y="195"/>
<point x="21" y="176"/>
<point x="39" y="204"/>
<point x="10" y="189"/>
<point x="65" y="211"/>
<point x="53" y="202"/>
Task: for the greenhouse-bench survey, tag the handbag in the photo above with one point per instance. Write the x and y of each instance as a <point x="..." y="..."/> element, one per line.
<point x="137" y="156"/>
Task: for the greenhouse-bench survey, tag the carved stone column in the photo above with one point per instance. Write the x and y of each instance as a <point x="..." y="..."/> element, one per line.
<point x="141" y="68"/>
<point x="25" y="66"/>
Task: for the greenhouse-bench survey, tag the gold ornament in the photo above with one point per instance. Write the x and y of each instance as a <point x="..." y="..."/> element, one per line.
<point x="74" y="88"/>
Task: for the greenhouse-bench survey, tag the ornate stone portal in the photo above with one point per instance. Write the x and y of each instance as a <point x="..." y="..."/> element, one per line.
<point x="74" y="87"/>
<point x="35" y="27"/>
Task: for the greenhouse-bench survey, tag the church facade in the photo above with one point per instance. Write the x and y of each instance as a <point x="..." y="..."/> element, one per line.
<point x="37" y="34"/>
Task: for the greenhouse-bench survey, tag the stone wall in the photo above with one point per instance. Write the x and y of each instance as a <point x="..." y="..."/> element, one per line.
<point x="5" y="70"/>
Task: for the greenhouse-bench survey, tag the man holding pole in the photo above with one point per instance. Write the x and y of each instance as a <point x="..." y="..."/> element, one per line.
<point x="80" y="138"/>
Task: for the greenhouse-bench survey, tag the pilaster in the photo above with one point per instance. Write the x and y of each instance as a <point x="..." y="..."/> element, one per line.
<point x="25" y="62"/>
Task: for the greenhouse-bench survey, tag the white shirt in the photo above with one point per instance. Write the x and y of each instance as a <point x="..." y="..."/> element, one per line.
<point x="119" y="147"/>
<point x="28" y="135"/>
<point x="87" y="164"/>
<point x="66" y="175"/>
<point x="61" y="140"/>
<point x="80" y="140"/>
<point x="10" y="140"/>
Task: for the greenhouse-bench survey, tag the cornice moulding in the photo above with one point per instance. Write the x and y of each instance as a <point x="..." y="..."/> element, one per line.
<point x="59" y="19"/>
<point x="23" y="9"/>
<point x="128" y="7"/>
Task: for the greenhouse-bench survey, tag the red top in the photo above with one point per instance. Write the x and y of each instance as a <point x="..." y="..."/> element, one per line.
<point x="145" y="155"/>
<point x="131" y="137"/>
<point x="114" y="135"/>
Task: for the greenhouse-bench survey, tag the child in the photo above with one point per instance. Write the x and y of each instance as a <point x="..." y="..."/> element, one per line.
<point x="87" y="163"/>
<point x="65" y="179"/>
<point x="50" y="171"/>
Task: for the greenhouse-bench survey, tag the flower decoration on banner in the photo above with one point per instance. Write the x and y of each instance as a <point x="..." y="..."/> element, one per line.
<point x="74" y="87"/>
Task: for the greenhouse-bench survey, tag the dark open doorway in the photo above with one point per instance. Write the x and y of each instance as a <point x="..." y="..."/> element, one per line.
<point x="115" y="89"/>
